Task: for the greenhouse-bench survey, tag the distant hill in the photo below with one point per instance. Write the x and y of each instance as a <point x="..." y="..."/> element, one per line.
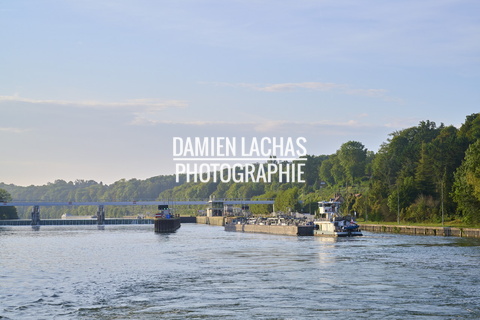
<point x="420" y="174"/>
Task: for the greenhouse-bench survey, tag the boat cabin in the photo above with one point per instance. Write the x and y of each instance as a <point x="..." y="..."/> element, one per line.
<point x="329" y="209"/>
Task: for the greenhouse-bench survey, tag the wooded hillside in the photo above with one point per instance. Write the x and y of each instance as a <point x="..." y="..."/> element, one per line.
<point x="419" y="175"/>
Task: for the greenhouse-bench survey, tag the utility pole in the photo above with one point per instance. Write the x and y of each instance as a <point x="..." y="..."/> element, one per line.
<point x="398" y="206"/>
<point x="443" y="186"/>
<point x="366" y="208"/>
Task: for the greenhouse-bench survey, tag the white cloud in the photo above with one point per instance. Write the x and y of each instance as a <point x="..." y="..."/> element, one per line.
<point x="260" y="126"/>
<point x="149" y="104"/>
<point x="315" y="86"/>
<point x="13" y="130"/>
<point x="312" y="86"/>
<point x="143" y="110"/>
<point x="141" y="119"/>
<point x="367" y="92"/>
<point x="402" y="122"/>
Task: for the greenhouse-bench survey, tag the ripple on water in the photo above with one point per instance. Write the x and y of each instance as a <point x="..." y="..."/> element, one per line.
<point x="202" y="272"/>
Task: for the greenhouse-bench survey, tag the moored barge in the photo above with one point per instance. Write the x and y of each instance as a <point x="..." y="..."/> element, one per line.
<point x="332" y="224"/>
<point x="165" y="221"/>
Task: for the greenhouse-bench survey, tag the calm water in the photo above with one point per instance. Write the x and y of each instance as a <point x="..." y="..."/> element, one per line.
<point x="203" y="272"/>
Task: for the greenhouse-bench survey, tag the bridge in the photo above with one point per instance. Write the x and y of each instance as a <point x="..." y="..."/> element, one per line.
<point x="100" y="217"/>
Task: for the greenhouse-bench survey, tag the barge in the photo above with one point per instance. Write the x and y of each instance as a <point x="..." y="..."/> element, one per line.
<point x="289" y="227"/>
<point x="332" y="224"/>
<point x="165" y="221"/>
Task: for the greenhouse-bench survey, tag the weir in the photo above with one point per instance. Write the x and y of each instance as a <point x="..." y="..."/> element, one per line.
<point x="100" y="217"/>
<point x="80" y="222"/>
<point x="35" y="216"/>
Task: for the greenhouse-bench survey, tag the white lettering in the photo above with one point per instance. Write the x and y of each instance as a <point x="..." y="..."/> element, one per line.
<point x="289" y="150"/>
<point x="179" y="169"/>
<point x="300" y="172"/>
<point x="261" y="174"/>
<point x="283" y="173"/>
<point x="249" y="170"/>
<point x="277" y="148"/>
<point x="220" y="147"/>
<point x="231" y="147"/>
<point x="301" y="146"/>
<point x="177" y="141"/>
<point x="264" y="150"/>
<point x="204" y="168"/>
<point x="201" y="147"/>
<point x="188" y="151"/>
<point x="254" y="151"/>
<point x="235" y="174"/>
<point x="272" y="170"/>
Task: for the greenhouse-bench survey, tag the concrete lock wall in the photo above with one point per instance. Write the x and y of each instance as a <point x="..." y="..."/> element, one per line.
<point x="432" y="231"/>
<point x="214" y="221"/>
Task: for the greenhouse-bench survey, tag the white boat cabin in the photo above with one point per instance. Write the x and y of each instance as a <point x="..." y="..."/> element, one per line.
<point x="328" y="209"/>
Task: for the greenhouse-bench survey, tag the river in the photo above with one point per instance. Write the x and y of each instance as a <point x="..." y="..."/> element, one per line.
<point x="203" y="272"/>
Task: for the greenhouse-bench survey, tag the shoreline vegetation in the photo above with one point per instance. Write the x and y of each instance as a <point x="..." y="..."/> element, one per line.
<point x="421" y="175"/>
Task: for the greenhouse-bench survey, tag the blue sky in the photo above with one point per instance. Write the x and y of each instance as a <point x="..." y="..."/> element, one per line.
<point x="98" y="89"/>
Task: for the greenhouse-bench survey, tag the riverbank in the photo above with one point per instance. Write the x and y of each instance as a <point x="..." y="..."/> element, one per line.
<point x="423" y="230"/>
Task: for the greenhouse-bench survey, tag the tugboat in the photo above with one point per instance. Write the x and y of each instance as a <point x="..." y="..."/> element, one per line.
<point x="165" y="221"/>
<point x="332" y="224"/>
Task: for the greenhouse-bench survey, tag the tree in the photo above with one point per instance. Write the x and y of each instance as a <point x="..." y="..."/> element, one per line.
<point x="311" y="169"/>
<point x="470" y="130"/>
<point x="325" y="172"/>
<point x="446" y="151"/>
<point x="352" y="156"/>
<point x="287" y="200"/>
<point x="466" y="192"/>
<point x="7" y="212"/>
<point x="424" y="175"/>
<point x="331" y="171"/>
<point x="404" y="168"/>
<point x="263" y="209"/>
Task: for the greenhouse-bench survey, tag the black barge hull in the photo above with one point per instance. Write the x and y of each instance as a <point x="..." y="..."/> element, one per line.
<point x="166" y="225"/>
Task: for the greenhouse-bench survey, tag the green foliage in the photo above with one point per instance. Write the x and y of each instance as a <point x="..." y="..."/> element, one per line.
<point x="312" y="168"/>
<point x="331" y="171"/>
<point x="287" y="200"/>
<point x="352" y="156"/>
<point x="325" y="171"/>
<point x="425" y="208"/>
<point x="263" y="209"/>
<point x="415" y="168"/>
<point x="424" y="175"/>
<point x="7" y="212"/>
<point x="470" y="130"/>
<point x="466" y="189"/>
<point x="310" y="201"/>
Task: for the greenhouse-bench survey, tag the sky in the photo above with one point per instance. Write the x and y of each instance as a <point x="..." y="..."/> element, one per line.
<point x="98" y="89"/>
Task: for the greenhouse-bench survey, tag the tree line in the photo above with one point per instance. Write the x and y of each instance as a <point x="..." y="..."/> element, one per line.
<point x="425" y="173"/>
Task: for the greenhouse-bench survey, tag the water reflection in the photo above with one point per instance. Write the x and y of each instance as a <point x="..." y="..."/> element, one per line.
<point x="327" y="239"/>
